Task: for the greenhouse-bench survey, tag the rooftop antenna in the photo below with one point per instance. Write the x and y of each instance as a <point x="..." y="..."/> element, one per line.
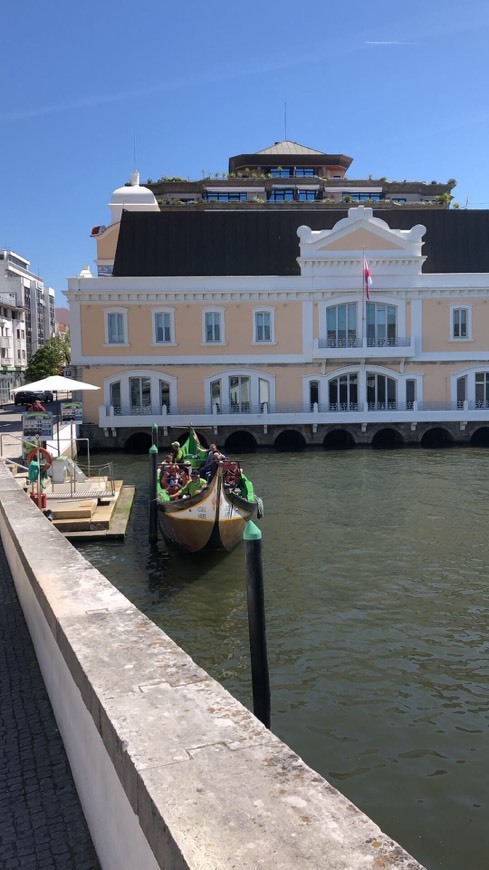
<point x="285" y="119"/>
<point x="134" y="152"/>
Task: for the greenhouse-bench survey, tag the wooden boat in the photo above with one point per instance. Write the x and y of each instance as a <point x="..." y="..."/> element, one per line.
<point x="215" y="517"/>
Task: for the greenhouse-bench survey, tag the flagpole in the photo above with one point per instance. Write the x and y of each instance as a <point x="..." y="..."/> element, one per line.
<point x="366" y="295"/>
<point x="364" y="304"/>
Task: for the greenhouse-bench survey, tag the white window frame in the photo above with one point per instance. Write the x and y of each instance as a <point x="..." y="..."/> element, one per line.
<point x="264" y="309"/>
<point x="385" y="299"/>
<point x="470" y="374"/>
<point x="222" y="340"/>
<point x="155" y="377"/>
<point x="171" y="313"/>
<point x="107" y="313"/>
<point x="453" y="309"/>
<point x="361" y="370"/>
<point x="254" y="375"/>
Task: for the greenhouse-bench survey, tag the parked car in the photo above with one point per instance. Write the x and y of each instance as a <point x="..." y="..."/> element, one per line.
<point x="29" y="397"/>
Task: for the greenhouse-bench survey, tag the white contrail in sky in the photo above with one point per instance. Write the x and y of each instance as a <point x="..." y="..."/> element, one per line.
<point x="476" y="16"/>
<point x="386" y="42"/>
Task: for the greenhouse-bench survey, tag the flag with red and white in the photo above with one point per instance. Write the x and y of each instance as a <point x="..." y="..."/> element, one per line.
<point x="367" y="278"/>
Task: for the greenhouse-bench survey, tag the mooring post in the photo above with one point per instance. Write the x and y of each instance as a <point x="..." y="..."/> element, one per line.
<point x="154" y="434"/>
<point x="153" y="506"/>
<point x="256" y="622"/>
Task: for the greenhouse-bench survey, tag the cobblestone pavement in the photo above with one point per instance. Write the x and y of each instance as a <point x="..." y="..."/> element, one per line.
<point x="41" y="822"/>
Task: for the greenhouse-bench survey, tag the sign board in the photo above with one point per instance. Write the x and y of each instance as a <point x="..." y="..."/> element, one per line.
<point x="38" y="423"/>
<point x="72" y="411"/>
<point x="68" y="373"/>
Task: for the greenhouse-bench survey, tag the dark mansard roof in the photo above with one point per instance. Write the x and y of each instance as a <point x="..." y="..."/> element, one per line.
<point x="266" y="243"/>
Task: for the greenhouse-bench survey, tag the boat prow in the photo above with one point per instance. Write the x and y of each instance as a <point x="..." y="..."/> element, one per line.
<point x="213" y="519"/>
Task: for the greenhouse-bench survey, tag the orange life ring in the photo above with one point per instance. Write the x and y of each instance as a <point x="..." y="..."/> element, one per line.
<point x="43" y="454"/>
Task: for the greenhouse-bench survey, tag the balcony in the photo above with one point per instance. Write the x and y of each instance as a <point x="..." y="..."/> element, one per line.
<point x="363" y="348"/>
<point x="5" y="341"/>
<point x="329" y="413"/>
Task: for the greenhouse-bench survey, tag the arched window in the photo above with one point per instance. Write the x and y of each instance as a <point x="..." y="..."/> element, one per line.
<point x="245" y="391"/>
<point x="381" y="392"/>
<point x="239" y="393"/>
<point x="343" y="392"/>
<point x="313" y="393"/>
<point x="115" y="396"/>
<point x="141" y="393"/>
<point x="482" y="389"/>
<point x="165" y="396"/>
<point x="461" y="391"/>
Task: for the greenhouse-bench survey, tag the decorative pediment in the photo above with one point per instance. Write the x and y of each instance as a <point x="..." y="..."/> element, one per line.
<point x="342" y="249"/>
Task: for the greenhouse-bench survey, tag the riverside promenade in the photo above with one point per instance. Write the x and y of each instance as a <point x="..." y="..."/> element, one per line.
<point x="41" y="821"/>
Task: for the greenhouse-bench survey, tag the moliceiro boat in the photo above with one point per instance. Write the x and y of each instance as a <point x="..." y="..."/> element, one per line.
<point x="204" y="507"/>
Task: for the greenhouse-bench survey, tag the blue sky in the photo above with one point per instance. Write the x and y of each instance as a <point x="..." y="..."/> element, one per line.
<point x="401" y="88"/>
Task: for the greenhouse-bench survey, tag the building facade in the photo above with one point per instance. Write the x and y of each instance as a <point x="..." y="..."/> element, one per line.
<point x="26" y="318"/>
<point x="260" y="323"/>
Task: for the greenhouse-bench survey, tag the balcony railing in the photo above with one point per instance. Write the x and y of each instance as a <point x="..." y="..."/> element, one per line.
<point x="312" y="413"/>
<point x="340" y="343"/>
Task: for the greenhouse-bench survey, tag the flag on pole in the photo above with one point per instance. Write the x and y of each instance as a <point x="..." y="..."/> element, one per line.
<point x="367" y="279"/>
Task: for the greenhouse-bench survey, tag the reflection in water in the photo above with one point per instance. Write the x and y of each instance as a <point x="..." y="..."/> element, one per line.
<point x="376" y="569"/>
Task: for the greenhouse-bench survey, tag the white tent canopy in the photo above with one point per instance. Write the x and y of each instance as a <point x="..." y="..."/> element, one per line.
<point x="56" y="384"/>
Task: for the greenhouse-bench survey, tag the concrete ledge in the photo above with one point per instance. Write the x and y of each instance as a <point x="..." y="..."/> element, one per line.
<point x="172" y="771"/>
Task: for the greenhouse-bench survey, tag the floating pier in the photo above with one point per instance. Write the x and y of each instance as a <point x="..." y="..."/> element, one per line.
<point x="88" y="513"/>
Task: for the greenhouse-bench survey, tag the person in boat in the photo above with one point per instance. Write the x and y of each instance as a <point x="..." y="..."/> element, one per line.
<point x="167" y="470"/>
<point x="213" y="458"/>
<point x="176" y="452"/>
<point x="195" y="485"/>
<point x="173" y="486"/>
<point x="232" y="475"/>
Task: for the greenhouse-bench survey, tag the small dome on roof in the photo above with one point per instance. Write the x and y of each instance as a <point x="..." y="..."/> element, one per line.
<point x="133" y="197"/>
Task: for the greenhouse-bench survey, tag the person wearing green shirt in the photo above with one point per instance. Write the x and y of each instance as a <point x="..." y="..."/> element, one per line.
<point x="195" y="485"/>
<point x="177" y="451"/>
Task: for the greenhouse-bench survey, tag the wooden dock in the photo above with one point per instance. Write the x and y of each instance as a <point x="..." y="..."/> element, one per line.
<point x="94" y="518"/>
<point x="84" y="516"/>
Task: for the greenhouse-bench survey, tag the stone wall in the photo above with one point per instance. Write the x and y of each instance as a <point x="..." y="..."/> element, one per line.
<point x="172" y="772"/>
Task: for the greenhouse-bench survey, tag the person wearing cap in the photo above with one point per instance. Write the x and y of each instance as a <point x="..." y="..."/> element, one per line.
<point x="195" y="484"/>
<point x="177" y="451"/>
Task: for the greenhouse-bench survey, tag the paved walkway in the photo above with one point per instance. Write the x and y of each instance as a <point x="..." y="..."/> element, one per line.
<point x="41" y="821"/>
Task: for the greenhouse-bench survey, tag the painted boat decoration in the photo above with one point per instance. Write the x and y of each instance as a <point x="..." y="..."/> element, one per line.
<point x="215" y="517"/>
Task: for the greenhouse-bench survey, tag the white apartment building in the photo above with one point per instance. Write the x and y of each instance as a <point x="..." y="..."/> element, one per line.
<point x="27" y="318"/>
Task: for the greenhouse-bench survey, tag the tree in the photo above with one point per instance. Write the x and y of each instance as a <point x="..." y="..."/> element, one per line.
<point x="49" y="359"/>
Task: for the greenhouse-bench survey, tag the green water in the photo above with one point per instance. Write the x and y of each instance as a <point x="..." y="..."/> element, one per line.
<point x="376" y="571"/>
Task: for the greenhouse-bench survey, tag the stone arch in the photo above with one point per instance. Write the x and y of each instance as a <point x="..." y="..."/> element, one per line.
<point x="436" y="436"/>
<point x="240" y="442"/>
<point x="480" y="438"/>
<point x="338" y="439"/>
<point x="290" y="440"/>
<point x="137" y="442"/>
<point x="387" y="439"/>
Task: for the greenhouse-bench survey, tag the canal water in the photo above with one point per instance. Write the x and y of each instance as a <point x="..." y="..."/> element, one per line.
<point x="376" y="567"/>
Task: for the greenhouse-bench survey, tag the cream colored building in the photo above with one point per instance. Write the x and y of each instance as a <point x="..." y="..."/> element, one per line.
<point x="300" y="357"/>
